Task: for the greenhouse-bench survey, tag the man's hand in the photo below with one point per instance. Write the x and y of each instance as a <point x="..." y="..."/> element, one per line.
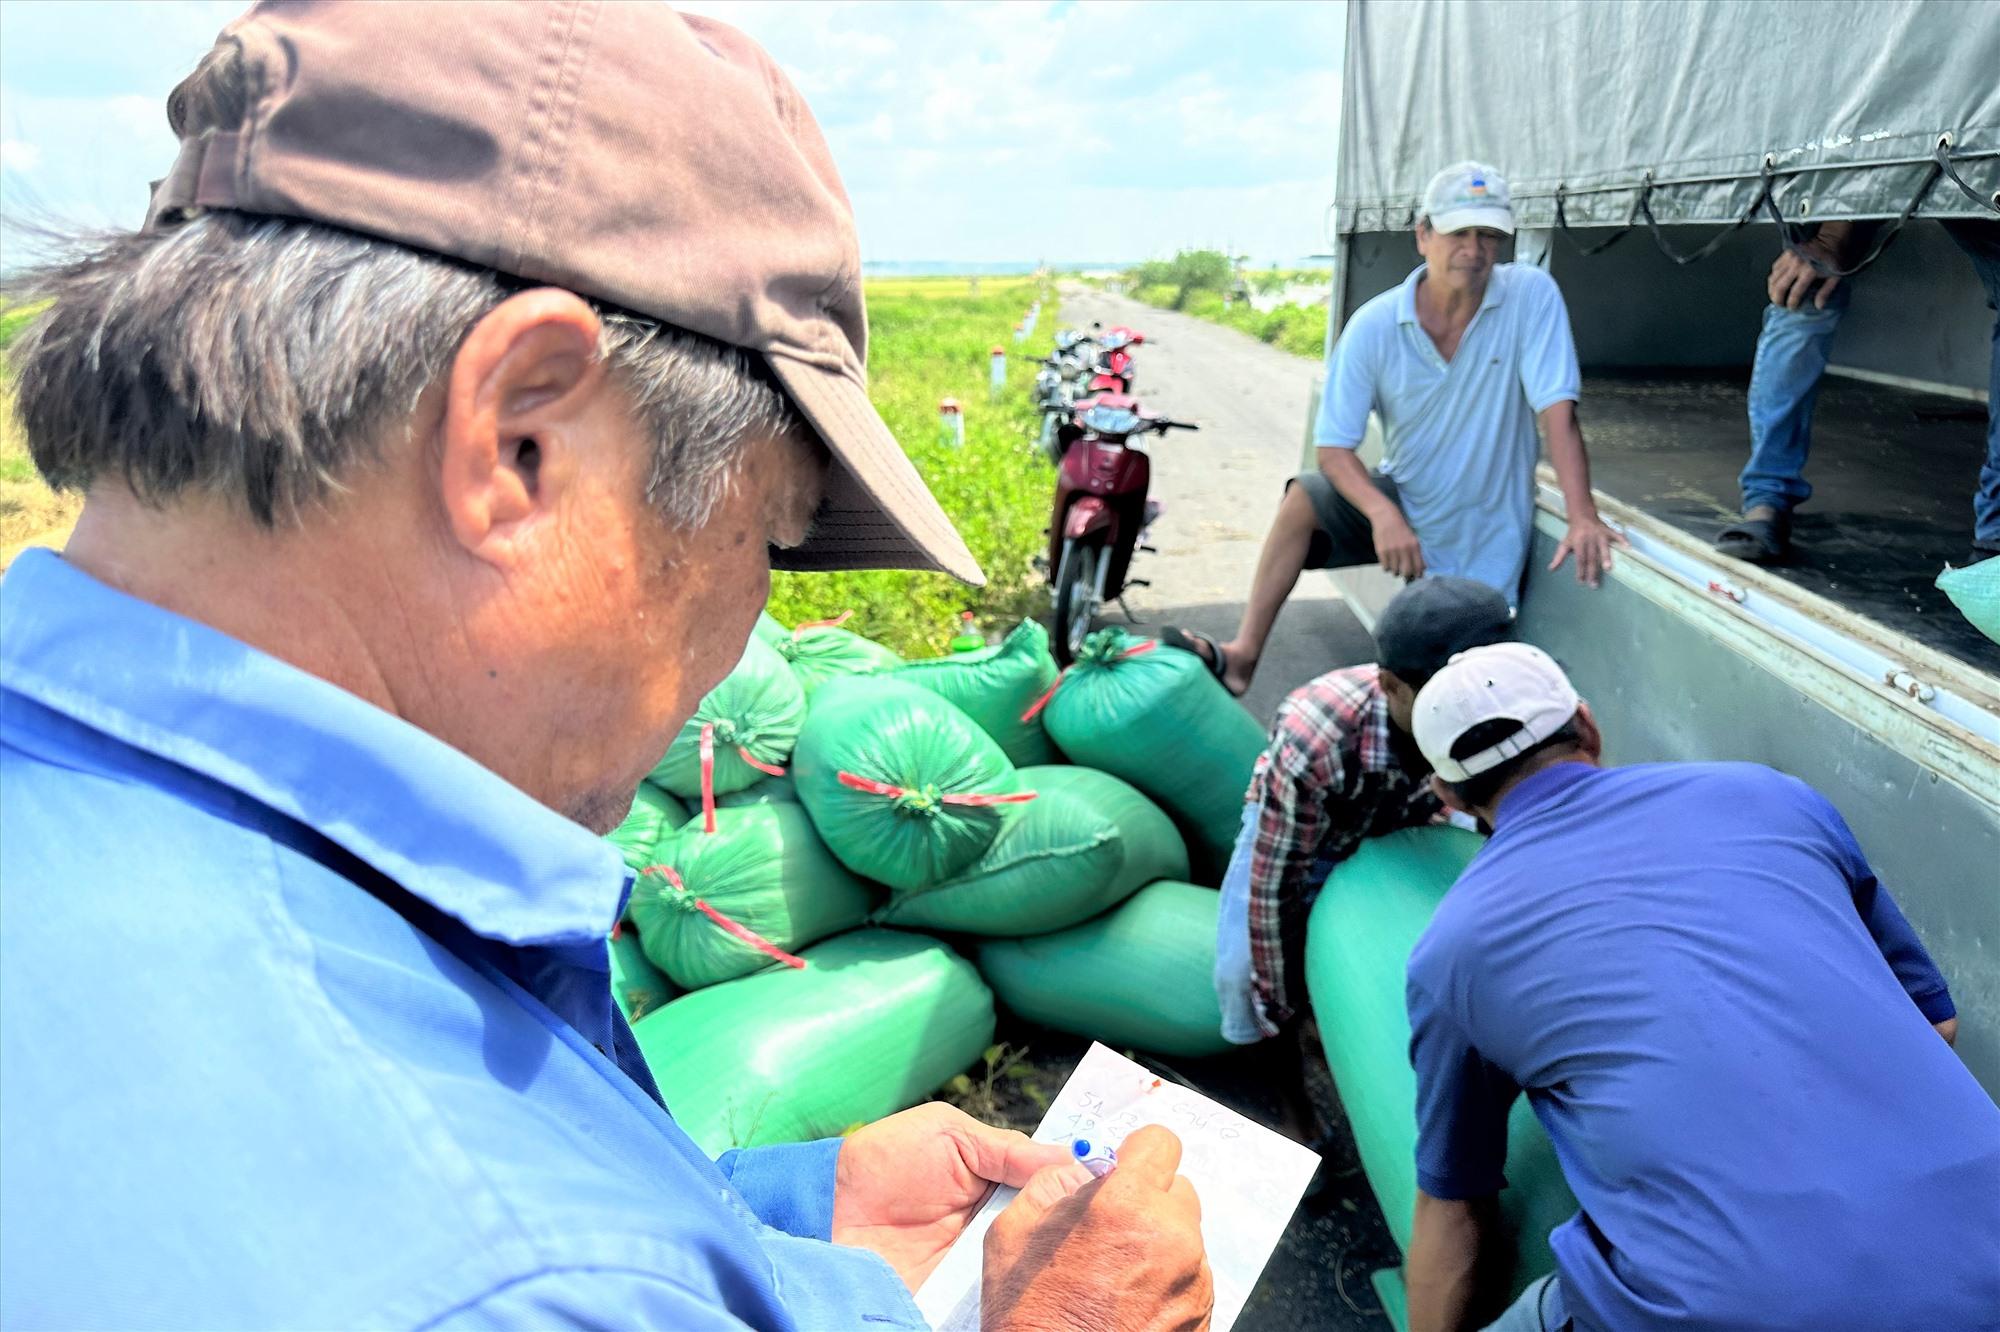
<point x="905" y="1186"/>
<point x="1397" y="547"/>
<point x="1948" y="1029"/>
<point x="1792" y="277"/>
<point x="1118" y="1254"/>
<point x="1591" y="539"/>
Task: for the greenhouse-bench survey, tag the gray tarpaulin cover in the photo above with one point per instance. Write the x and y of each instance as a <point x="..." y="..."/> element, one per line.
<point x="1847" y="98"/>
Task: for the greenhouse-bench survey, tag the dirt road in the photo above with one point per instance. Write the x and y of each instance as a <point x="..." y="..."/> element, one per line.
<point x="1221" y="487"/>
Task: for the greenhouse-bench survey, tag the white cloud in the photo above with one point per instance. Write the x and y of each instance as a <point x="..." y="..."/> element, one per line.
<point x="19" y="155"/>
<point x="1092" y="131"/>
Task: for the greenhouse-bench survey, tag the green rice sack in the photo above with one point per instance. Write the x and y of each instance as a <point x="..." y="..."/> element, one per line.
<point x="995" y="686"/>
<point x="875" y="1022"/>
<point x="1141" y="975"/>
<point x="653" y="815"/>
<point x="1158" y="719"/>
<point x="1975" y="590"/>
<point x="763" y="871"/>
<point x="755" y="714"/>
<point x="905" y="789"/>
<point x="818" y="653"/>
<point x="769" y="791"/>
<point x="636" y="986"/>
<point x="1366" y="920"/>
<point x="1154" y="848"/>
<point x="1058" y="862"/>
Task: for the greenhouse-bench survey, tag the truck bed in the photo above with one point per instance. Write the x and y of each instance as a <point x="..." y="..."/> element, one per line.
<point x="1892" y="471"/>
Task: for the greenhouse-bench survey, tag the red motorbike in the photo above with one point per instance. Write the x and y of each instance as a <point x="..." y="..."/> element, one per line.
<point x="1101" y="512"/>
<point x="1115" y="367"/>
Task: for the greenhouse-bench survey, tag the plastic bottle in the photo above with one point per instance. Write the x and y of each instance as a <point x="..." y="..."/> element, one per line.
<point x="968" y="638"/>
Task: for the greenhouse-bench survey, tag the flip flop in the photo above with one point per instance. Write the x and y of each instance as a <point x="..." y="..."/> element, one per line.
<point x="1758" y="540"/>
<point x="1215" y="658"/>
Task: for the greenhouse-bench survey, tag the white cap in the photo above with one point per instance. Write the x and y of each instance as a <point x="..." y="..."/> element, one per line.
<point x="1468" y="194"/>
<point x="1502" y="682"/>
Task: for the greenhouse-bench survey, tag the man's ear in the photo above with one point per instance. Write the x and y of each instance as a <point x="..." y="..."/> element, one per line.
<point x="1448" y="797"/>
<point x="514" y="395"/>
<point x="1588" y="738"/>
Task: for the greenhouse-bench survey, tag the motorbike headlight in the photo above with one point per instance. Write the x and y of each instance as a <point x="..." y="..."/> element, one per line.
<point x="1111" y="420"/>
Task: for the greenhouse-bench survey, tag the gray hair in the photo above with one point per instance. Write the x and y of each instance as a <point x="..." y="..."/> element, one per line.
<point x="267" y="359"/>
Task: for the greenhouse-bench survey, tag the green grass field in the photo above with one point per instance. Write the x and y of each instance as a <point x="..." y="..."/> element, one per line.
<point x="930" y="338"/>
<point x="1298" y="329"/>
<point x="29" y="511"/>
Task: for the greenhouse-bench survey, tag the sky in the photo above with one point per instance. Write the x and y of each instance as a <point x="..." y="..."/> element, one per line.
<point x="1014" y="130"/>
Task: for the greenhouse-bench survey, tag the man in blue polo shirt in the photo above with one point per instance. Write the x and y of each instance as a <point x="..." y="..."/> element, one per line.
<point x="1726" y="1026"/>
<point x="1462" y="362"/>
<point x="437" y="437"/>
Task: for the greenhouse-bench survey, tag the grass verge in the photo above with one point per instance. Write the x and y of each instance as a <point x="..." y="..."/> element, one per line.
<point x="1298" y="329"/>
<point x="30" y="513"/>
<point x="932" y="338"/>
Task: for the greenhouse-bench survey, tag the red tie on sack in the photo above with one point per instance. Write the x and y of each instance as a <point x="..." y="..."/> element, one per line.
<point x="743" y="932"/>
<point x="873" y="787"/>
<point x="708" y="773"/>
<point x="1043" y="701"/>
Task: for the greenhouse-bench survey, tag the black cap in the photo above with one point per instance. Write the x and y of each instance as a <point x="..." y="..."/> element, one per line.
<point x="1433" y="619"/>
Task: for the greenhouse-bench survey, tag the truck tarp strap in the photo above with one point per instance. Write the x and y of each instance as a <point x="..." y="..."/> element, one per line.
<point x="1562" y="224"/>
<point x="1990" y="202"/>
<point x="1939" y="166"/>
<point x="1715" y="242"/>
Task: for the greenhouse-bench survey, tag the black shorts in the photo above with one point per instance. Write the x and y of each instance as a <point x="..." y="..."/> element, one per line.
<point x="1344" y="536"/>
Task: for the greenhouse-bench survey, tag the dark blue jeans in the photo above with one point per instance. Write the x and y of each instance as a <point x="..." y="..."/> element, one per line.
<point x="1792" y="353"/>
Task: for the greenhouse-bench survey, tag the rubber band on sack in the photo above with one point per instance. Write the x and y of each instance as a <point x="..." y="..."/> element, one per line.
<point x="742" y="932"/>
<point x="854" y="782"/>
<point x="708" y="777"/>
<point x="768" y="769"/>
<point x="708" y="773"/>
<point x="1043" y="701"/>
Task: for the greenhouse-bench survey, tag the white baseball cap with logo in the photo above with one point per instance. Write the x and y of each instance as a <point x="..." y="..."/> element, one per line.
<point x="1468" y="194"/>
<point x="1514" y="682"/>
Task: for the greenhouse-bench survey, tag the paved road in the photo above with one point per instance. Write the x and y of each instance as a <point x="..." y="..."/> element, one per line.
<point x="1221" y="488"/>
<point x="1222" y="485"/>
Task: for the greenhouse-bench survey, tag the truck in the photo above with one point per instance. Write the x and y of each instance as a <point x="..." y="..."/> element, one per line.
<point x="1659" y="155"/>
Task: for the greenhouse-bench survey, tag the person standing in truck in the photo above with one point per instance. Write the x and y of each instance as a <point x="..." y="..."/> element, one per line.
<point x="1721" y="1018"/>
<point x="1809" y="298"/>
<point x="1462" y="361"/>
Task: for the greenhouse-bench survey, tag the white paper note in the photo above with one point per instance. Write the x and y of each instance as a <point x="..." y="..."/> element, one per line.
<point x="1249" y="1180"/>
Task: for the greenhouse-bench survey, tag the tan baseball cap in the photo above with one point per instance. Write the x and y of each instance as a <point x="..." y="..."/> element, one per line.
<point x="635" y="155"/>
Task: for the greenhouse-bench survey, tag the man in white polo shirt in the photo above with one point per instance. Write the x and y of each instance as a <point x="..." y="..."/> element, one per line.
<point x="1462" y="362"/>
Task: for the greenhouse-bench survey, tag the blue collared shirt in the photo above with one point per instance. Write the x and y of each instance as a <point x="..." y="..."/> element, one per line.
<point x="1723" y="1021"/>
<point x="241" y="1090"/>
<point x="1458" y="436"/>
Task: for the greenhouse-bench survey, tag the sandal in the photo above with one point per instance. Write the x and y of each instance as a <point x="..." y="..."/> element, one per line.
<point x="1192" y="641"/>
<point x="1758" y="540"/>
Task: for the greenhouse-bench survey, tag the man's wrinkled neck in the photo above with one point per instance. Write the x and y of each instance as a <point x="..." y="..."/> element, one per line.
<point x="204" y="559"/>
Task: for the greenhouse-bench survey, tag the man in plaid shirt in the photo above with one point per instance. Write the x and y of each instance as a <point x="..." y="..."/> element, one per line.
<point x="1341" y="766"/>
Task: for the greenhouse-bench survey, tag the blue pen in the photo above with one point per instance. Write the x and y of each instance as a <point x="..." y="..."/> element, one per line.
<point x="1097" y="1159"/>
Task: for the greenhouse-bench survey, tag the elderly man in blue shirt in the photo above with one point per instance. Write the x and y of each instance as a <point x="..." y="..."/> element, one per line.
<point x="437" y="435"/>
<point x="1463" y="362"/>
<point x="1717" y="1012"/>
